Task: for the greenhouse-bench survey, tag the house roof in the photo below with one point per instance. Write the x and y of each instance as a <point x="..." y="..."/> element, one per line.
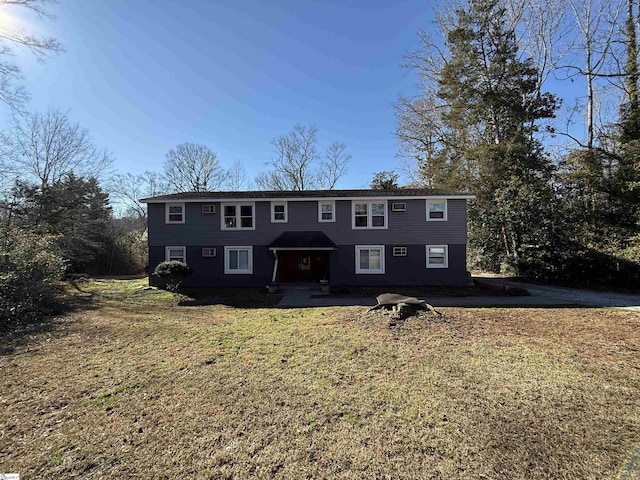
<point x="300" y="195"/>
<point x="303" y="241"/>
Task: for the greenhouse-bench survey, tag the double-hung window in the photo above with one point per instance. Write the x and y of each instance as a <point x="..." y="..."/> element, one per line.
<point x="238" y="216"/>
<point x="279" y="212"/>
<point x="327" y="211"/>
<point x="178" y="254"/>
<point x="238" y="260"/>
<point x="369" y="259"/>
<point x="437" y="256"/>
<point x="174" y="213"/>
<point x="437" y="210"/>
<point x="369" y="214"/>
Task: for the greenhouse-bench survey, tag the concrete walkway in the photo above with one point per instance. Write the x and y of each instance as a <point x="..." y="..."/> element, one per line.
<point x="541" y="296"/>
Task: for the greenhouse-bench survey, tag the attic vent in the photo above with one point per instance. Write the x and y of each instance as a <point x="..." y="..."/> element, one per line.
<point x="208" y="252"/>
<point x="398" y="207"/>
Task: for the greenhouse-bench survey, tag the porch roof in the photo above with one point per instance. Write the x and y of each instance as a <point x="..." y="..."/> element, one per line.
<point x="303" y="241"/>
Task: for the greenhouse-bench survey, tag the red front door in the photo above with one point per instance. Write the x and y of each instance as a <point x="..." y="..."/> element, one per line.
<point x="303" y="265"/>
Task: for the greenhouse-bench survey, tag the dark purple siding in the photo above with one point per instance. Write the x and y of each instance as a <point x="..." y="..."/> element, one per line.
<point x="408" y="229"/>
<point x="409" y="270"/>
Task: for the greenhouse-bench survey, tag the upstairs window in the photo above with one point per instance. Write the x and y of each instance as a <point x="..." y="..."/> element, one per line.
<point x="437" y="256"/>
<point x="369" y="214"/>
<point x="238" y="216"/>
<point x="436" y="210"/>
<point x="174" y="213"/>
<point x="278" y="212"/>
<point x="326" y="211"/>
<point x="208" y="208"/>
<point x="178" y="254"/>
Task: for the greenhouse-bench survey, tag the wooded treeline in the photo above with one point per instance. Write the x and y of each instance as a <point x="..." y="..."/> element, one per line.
<point x="557" y="186"/>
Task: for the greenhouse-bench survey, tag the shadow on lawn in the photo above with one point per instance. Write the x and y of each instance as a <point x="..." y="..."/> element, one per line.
<point x="55" y="321"/>
<point x="232" y="297"/>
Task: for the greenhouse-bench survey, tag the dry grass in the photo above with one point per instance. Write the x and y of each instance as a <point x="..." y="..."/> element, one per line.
<point x="139" y="388"/>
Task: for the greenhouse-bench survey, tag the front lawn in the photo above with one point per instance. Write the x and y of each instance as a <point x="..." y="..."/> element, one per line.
<point x="132" y="386"/>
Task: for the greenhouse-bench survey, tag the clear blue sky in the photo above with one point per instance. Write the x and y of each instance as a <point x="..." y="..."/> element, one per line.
<point x="144" y="76"/>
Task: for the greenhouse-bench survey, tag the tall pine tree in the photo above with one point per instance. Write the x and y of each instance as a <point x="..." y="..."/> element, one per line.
<point x="492" y="110"/>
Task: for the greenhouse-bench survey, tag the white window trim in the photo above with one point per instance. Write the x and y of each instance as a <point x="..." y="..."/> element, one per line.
<point x="369" y="215"/>
<point x="446" y="207"/>
<point x="273" y="212"/>
<point x="166" y="212"/>
<point x="229" y="271"/>
<point x="333" y="210"/>
<point x="446" y="256"/>
<point x="398" y="209"/>
<point x="360" y="271"/>
<point x="238" y="220"/>
<point x="175" y="247"/>
<point x="208" y="206"/>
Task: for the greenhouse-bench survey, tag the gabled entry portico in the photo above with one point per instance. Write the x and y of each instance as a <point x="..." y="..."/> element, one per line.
<point x="301" y="257"/>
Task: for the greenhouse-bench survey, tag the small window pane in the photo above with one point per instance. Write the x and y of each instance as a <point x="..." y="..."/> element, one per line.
<point x="246" y="222"/>
<point x="377" y="209"/>
<point x="377" y="221"/>
<point x="243" y="260"/>
<point x="374" y="259"/>
<point x="175" y="209"/>
<point x="361" y="221"/>
<point x="245" y="211"/>
<point x="230" y="211"/>
<point x="436" y="210"/>
<point x="361" y="208"/>
<point x="327" y="208"/>
<point x="233" y="259"/>
<point x="230" y="222"/>
<point x="364" y="259"/>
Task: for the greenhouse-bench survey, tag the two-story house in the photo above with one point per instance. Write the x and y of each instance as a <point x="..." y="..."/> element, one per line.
<point x="348" y="237"/>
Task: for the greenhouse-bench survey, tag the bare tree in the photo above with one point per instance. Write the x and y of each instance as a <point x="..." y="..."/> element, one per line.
<point x="299" y="166"/>
<point x="334" y="165"/>
<point x="296" y="153"/>
<point x="193" y="168"/>
<point x="128" y="189"/>
<point x="237" y="178"/>
<point x="48" y="146"/>
<point x="11" y="93"/>
<point x="597" y="23"/>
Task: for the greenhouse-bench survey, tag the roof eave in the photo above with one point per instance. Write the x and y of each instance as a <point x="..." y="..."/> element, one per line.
<point x="303" y="199"/>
